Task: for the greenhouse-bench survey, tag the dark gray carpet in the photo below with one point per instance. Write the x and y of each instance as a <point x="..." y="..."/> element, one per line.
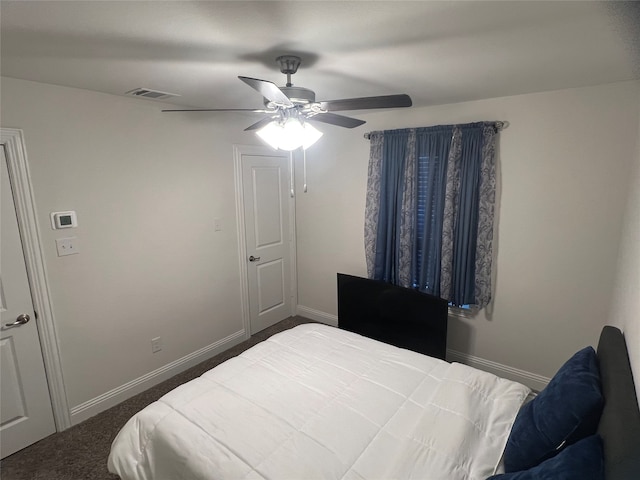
<point x="80" y="453"/>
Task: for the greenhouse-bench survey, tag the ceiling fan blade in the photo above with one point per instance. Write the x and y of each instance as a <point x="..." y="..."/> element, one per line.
<point x="259" y="124"/>
<point x="339" y="120"/>
<point x="221" y="110"/>
<point x="363" y="103"/>
<point x="269" y="90"/>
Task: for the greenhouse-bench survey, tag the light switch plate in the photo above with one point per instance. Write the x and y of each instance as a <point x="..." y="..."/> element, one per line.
<point x="67" y="246"/>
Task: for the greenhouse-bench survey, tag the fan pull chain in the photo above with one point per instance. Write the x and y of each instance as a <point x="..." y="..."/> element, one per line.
<point x="291" y="175"/>
<point x="304" y="170"/>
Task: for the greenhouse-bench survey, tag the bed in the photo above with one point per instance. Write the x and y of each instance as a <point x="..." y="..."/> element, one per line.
<point x="319" y="402"/>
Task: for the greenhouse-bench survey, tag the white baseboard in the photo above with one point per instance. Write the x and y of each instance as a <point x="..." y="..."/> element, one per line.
<point x="317" y="315"/>
<point x="109" y="399"/>
<point x="531" y="380"/>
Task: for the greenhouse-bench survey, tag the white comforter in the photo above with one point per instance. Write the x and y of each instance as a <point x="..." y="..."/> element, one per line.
<point x="319" y="402"/>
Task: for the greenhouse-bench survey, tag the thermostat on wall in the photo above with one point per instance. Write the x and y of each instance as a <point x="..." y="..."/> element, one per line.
<point x="63" y="220"/>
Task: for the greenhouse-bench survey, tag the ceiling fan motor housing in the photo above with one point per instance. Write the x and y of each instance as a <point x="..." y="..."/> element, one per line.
<point x="298" y="95"/>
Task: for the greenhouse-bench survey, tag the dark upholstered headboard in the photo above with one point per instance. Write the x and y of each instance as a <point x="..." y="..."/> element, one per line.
<point x="399" y="316"/>
<point x="620" y="422"/>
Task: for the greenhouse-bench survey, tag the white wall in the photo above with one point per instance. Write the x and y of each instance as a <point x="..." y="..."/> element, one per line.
<point x="626" y="302"/>
<point x="146" y="187"/>
<point x="565" y="161"/>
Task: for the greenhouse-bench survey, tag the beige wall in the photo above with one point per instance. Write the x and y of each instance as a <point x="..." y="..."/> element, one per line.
<point x="626" y="301"/>
<point x="146" y="187"/>
<point x="564" y="160"/>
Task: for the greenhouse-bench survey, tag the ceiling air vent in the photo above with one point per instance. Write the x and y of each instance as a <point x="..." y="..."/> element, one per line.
<point x="148" y="93"/>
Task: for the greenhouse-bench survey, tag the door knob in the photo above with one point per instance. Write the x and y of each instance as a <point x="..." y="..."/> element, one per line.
<point x="253" y="259"/>
<point x="20" y="320"/>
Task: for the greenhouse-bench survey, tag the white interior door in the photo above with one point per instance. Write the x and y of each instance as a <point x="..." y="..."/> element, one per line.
<point x="25" y="405"/>
<point x="267" y="203"/>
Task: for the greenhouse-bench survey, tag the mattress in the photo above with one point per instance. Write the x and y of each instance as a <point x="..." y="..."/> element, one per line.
<point x="319" y="402"/>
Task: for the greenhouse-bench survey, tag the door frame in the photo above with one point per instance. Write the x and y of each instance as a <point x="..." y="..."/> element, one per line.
<point x="12" y="139"/>
<point x="238" y="152"/>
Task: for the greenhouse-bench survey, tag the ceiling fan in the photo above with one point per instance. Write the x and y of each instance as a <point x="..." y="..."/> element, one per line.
<point x="289" y="108"/>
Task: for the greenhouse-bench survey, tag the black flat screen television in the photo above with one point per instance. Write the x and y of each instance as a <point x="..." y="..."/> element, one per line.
<point x="396" y="315"/>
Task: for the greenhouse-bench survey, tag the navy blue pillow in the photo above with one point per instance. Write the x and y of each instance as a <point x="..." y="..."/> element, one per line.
<point x="581" y="461"/>
<point x="567" y="410"/>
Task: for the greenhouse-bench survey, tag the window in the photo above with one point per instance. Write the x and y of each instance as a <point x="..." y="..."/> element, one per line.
<point x="429" y="207"/>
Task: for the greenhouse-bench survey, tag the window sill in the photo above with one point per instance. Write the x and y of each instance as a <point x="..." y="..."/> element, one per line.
<point x="470" y="312"/>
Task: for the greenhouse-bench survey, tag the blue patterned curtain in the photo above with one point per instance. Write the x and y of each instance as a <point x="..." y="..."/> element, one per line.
<point x="429" y="210"/>
<point x="389" y="246"/>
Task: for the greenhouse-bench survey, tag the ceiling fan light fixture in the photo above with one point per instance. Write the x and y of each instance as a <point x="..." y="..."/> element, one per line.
<point x="290" y="134"/>
<point x="271" y="133"/>
<point x="310" y="135"/>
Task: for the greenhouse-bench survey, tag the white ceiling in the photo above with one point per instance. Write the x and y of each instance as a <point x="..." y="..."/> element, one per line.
<point x="437" y="52"/>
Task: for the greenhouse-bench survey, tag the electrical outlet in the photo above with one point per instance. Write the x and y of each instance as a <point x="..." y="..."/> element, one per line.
<point x="156" y="344"/>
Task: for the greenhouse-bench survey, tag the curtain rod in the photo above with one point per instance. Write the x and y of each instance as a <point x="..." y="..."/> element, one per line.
<point x="500" y="125"/>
